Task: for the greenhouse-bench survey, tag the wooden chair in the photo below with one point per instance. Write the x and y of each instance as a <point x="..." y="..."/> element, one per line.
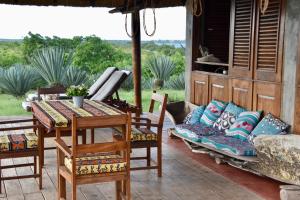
<point x="142" y="136"/>
<point x="16" y="145"/>
<point x="80" y="164"/>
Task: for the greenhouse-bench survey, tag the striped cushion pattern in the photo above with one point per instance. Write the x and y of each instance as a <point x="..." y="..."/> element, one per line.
<point x="18" y="142"/>
<point x="212" y="112"/>
<point x="97" y="163"/>
<point x="243" y="125"/>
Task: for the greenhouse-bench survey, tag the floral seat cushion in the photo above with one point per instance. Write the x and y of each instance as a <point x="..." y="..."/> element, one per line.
<point x="142" y="134"/>
<point x="18" y="142"/>
<point x="97" y="163"/>
<point x="139" y="134"/>
<point x="230" y="145"/>
<point x="195" y="132"/>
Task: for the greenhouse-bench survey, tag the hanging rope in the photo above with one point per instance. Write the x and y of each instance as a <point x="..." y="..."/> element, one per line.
<point x="197" y="8"/>
<point x="264" y="4"/>
<point x="126" y="28"/>
<point x="133" y="32"/>
<point x="154" y="23"/>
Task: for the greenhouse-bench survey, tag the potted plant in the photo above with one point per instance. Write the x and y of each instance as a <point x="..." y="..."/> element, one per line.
<point x="77" y="93"/>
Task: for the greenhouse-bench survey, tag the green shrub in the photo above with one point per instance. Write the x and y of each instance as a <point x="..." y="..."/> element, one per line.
<point x="18" y="80"/>
<point x="176" y="82"/>
<point x="75" y="76"/>
<point x="161" y="68"/>
<point x="51" y="64"/>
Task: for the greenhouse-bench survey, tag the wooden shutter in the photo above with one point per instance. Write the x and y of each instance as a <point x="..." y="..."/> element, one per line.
<point x="269" y="43"/>
<point x="241" y="38"/>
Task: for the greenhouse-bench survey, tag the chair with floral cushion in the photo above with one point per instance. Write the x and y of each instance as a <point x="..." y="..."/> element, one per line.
<point x="143" y="136"/>
<point x="96" y="162"/>
<point x="18" y="138"/>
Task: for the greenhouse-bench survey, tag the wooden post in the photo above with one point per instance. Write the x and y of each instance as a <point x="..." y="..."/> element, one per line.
<point x="136" y="58"/>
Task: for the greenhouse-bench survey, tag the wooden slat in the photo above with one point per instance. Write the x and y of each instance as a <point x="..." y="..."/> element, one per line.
<point x="240" y="61"/>
<point x="267" y="49"/>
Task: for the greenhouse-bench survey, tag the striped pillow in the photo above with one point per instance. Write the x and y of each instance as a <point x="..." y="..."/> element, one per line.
<point x="212" y="112"/>
<point x="243" y="125"/>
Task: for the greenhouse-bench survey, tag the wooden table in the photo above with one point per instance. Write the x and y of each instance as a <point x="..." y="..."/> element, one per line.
<point x="57" y="114"/>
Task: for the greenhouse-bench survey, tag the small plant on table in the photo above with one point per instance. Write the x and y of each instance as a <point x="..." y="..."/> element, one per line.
<point x="77" y="93"/>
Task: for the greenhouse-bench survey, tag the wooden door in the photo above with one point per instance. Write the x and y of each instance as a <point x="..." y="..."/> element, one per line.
<point x="241" y="38"/>
<point x="199" y="88"/>
<point x="296" y="126"/>
<point x="267" y="97"/>
<point x="269" y="42"/>
<point x="218" y="88"/>
<point x="240" y="93"/>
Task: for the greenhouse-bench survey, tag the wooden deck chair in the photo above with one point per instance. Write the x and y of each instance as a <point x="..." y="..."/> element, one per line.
<point x="93" y="163"/>
<point x="17" y="141"/>
<point x="101" y="81"/>
<point x="111" y="86"/>
<point x="143" y="136"/>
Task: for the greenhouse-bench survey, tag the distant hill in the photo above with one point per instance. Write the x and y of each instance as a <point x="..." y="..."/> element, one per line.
<point x="10" y="40"/>
<point x="175" y="43"/>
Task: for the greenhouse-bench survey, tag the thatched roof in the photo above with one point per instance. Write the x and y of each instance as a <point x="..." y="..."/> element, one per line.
<point x="96" y="3"/>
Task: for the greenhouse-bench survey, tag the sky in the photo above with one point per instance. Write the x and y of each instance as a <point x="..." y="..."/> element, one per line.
<point x="66" y="22"/>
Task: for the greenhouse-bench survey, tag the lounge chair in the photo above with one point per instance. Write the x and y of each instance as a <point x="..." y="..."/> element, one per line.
<point x="111" y="86"/>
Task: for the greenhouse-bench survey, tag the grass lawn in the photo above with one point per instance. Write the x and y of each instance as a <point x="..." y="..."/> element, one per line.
<point x="10" y="106"/>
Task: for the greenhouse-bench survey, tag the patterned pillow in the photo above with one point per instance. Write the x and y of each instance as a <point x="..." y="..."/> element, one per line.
<point x="228" y="117"/>
<point x="212" y="112"/>
<point x="243" y="125"/>
<point x="269" y="125"/>
<point x="187" y="119"/>
<point x="194" y="116"/>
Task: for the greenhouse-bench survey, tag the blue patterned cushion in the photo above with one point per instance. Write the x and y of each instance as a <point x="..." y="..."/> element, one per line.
<point x="269" y="125"/>
<point x="196" y="115"/>
<point x="243" y="125"/>
<point x="229" y="144"/>
<point x="195" y="132"/>
<point x="212" y="112"/>
<point x="228" y="117"/>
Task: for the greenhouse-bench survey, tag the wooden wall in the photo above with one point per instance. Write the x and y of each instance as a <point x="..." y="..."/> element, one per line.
<point x="254" y="62"/>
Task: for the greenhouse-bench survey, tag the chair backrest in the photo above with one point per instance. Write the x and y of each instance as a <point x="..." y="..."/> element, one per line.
<point x="123" y="120"/>
<point x="101" y="80"/>
<point x="57" y="90"/>
<point x="111" y="85"/>
<point x="162" y="101"/>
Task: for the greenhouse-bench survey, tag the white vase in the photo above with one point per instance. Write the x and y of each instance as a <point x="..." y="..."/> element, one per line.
<point x="78" y="101"/>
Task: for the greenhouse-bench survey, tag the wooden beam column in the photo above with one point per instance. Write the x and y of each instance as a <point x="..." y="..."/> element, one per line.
<point x="136" y="58"/>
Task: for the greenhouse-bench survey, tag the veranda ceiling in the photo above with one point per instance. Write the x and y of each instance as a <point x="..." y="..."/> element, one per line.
<point x="97" y="3"/>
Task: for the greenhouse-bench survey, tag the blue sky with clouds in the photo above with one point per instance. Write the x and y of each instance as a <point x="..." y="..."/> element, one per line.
<point x="17" y="21"/>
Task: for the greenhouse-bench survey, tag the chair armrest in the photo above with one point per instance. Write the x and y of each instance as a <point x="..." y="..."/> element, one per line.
<point x="63" y="147"/>
<point x="145" y="124"/>
<point x="141" y="119"/>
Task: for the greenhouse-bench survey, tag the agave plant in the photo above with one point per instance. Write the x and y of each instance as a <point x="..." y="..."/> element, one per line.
<point x="177" y="82"/>
<point x="51" y="64"/>
<point x="147" y="83"/>
<point x="18" y="80"/>
<point x="161" y="68"/>
<point x="75" y="76"/>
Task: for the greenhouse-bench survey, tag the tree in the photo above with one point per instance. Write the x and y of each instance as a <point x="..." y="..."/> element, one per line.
<point x="95" y="55"/>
